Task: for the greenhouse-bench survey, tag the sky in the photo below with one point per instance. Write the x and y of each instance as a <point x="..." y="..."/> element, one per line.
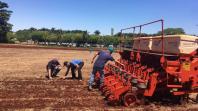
<point x="103" y="15"/>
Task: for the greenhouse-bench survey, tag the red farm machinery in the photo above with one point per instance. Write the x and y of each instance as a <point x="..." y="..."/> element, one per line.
<point x="161" y="67"/>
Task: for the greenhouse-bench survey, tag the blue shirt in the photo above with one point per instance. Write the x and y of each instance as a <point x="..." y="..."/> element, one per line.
<point x="103" y="58"/>
<point x="75" y="61"/>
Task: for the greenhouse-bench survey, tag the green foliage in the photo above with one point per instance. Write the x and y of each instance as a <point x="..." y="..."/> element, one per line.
<point x="92" y="39"/>
<point x="32" y="29"/>
<point x="53" y="35"/>
<point x="4" y="25"/>
<point x="39" y="36"/>
<point x="23" y="35"/>
<point x="97" y="32"/>
<point x="172" y="31"/>
<point x="11" y="37"/>
<point x="67" y="38"/>
<point x="110" y="40"/>
<point x="79" y="37"/>
<point x="100" y="40"/>
<point x="85" y="37"/>
<point x="132" y="34"/>
<point x="52" y="38"/>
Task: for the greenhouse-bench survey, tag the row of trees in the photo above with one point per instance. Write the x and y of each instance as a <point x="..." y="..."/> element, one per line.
<point x="79" y="37"/>
<point x="61" y="36"/>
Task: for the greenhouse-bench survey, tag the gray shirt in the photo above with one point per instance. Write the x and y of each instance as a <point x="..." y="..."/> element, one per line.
<point x="103" y="58"/>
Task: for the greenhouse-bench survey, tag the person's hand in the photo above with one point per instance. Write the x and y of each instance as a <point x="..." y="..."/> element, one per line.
<point x="77" y="66"/>
<point x="58" y="67"/>
<point x="64" y="77"/>
<point x="50" y="78"/>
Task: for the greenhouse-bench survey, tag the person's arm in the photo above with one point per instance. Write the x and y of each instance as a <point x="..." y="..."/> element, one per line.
<point x="77" y="66"/>
<point x="95" y="57"/>
<point x="49" y="73"/>
<point x="68" y="68"/>
<point x="58" y="65"/>
<point x="111" y="58"/>
<point x="75" y="63"/>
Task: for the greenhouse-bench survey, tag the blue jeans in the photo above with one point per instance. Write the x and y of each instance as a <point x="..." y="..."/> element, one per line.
<point x="92" y="77"/>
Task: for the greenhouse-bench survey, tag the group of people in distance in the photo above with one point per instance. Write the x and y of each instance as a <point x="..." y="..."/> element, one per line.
<point x="53" y="67"/>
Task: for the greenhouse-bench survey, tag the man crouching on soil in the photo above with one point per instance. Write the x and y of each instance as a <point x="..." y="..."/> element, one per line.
<point x="75" y="65"/>
<point x="53" y="67"/>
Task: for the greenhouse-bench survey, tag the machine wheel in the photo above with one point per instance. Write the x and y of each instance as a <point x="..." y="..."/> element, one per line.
<point x="180" y="100"/>
<point x="129" y="99"/>
<point x="112" y="102"/>
<point x="140" y="99"/>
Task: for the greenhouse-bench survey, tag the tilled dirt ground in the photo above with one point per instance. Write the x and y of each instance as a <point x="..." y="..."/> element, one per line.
<point x="23" y="85"/>
<point x="29" y="93"/>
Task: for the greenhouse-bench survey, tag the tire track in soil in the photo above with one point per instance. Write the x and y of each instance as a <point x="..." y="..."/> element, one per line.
<point x="41" y="93"/>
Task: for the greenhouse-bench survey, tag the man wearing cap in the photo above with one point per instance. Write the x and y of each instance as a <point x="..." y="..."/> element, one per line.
<point x="103" y="58"/>
<point x="74" y="65"/>
<point x="53" y="67"/>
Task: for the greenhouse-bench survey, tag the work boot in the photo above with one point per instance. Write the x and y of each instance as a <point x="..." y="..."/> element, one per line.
<point x="90" y="88"/>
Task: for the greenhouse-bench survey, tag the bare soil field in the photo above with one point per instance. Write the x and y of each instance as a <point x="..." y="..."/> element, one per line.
<point x="23" y="85"/>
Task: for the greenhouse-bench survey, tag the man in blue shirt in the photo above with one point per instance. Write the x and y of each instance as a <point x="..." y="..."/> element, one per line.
<point x="103" y="58"/>
<point x="74" y="65"/>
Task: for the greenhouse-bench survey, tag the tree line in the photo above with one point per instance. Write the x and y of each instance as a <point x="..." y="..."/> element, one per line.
<point x="79" y="37"/>
<point x="59" y="36"/>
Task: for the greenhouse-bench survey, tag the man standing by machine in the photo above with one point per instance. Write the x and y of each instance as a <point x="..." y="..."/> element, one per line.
<point x="103" y="58"/>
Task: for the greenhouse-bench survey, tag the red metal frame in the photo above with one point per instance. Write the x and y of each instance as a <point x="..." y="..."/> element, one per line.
<point x="140" y="30"/>
<point x="157" y="74"/>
